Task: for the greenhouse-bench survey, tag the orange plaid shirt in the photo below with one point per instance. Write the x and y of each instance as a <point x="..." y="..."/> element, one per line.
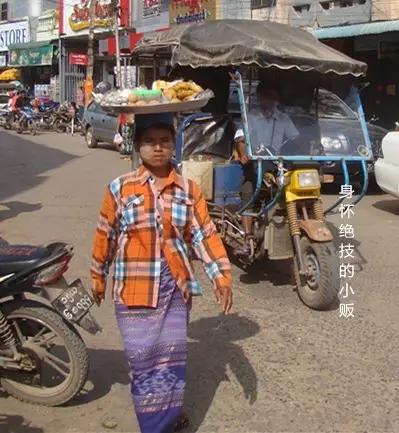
<point x="135" y="228"/>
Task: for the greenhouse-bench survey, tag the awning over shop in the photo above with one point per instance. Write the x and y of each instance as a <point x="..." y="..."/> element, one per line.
<point x="10" y="75"/>
<point x="356" y="30"/>
<point x="31" y="54"/>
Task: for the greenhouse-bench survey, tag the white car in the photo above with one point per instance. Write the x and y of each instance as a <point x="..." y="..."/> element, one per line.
<point x="387" y="166"/>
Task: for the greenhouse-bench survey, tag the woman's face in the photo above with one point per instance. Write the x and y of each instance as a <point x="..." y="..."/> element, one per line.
<point x="156" y="147"/>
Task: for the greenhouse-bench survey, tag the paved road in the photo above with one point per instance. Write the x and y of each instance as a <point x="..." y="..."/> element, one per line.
<point x="272" y="366"/>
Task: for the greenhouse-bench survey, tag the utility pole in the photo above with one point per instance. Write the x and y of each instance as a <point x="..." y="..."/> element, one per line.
<point x="119" y="79"/>
<point x="90" y="54"/>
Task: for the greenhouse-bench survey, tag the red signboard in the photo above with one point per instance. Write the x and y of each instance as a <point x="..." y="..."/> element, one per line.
<point x="78" y="59"/>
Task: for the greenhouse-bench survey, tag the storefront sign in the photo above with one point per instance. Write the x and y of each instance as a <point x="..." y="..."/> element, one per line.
<point x="191" y="11"/>
<point x="32" y="55"/>
<point x="151" y="15"/>
<point x="78" y="59"/>
<point x="77" y="16"/>
<point x="14" y="33"/>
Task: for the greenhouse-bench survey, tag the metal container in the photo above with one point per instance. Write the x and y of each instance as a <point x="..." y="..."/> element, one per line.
<point x="228" y="179"/>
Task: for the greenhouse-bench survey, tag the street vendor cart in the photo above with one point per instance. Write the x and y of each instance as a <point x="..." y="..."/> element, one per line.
<point x="286" y="205"/>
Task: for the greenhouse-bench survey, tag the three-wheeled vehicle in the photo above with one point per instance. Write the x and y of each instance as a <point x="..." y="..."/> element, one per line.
<point x="227" y="56"/>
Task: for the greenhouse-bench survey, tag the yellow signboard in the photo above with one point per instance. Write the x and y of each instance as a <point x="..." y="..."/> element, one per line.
<point x="191" y="11"/>
<point x="10" y="75"/>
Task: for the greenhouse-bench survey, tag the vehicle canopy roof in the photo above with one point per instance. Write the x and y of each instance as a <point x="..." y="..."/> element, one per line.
<point x="232" y="42"/>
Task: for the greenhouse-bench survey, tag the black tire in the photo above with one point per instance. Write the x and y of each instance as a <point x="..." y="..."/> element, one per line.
<point x="90" y="139"/>
<point x="321" y="292"/>
<point x="33" y="128"/>
<point x="60" y="126"/>
<point x="73" y="344"/>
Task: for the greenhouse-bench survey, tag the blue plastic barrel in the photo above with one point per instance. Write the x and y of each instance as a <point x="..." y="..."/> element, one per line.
<point x="228" y="179"/>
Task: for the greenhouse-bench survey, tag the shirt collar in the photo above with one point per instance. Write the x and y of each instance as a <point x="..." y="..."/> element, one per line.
<point x="144" y="176"/>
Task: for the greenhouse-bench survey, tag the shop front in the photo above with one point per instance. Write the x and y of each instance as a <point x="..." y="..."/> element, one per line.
<point x="376" y="44"/>
<point x="37" y="62"/>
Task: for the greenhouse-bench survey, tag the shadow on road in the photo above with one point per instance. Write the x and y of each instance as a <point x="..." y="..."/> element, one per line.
<point x="23" y="163"/>
<point x="14" y="208"/>
<point x="213" y="350"/>
<point x="390" y="206"/>
<point x="17" y="424"/>
<point x="278" y="272"/>
<point x="107" y="368"/>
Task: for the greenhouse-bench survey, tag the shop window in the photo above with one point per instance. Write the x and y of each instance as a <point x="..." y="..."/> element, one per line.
<point x="263" y="4"/>
<point x="4" y="12"/>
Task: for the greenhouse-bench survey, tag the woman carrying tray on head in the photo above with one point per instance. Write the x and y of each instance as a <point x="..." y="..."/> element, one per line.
<point x="148" y="221"/>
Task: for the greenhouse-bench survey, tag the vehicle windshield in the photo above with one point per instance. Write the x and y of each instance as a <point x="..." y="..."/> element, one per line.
<point x="332" y="106"/>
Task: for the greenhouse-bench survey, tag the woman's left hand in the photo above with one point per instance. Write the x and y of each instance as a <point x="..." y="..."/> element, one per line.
<point x="224" y="297"/>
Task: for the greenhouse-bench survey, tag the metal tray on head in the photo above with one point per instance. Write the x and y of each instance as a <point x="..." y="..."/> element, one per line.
<point x="174" y="107"/>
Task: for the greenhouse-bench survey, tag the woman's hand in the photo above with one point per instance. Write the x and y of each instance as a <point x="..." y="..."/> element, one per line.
<point x="98" y="297"/>
<point x="224" y="297"/>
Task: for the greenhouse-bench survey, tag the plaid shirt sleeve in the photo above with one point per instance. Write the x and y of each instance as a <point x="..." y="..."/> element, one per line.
<point x="207" y="244"/>
<point x="105" y="242"/>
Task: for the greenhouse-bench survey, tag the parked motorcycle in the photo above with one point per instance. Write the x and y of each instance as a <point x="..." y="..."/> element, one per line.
<point x="27" y="121"/>
<point x="6" y="118"/>
<point x="43" y="358"/>
<point x="62" y="119"/>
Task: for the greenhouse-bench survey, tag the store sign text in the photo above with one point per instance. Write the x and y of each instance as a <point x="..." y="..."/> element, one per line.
<point x="151" y="8"/>
<point x="191" y="11"/>
<point x="80" y="17"/>
<point x="13" y="33"/>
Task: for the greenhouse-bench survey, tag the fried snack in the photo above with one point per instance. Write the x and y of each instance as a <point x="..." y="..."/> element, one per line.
<point x="185" y="85"/>
<point x="181" y="94"/>
<point x="132" y="98"/>
<point x="160" y="85"/>
<point x="141" y="103"/>
<point x="196" y="87"/>
<point x="170" y="94"/>
<point x="153" y="102"/>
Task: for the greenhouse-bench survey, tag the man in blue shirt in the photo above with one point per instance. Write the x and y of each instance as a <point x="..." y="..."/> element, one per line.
<point x="269" y="129"/>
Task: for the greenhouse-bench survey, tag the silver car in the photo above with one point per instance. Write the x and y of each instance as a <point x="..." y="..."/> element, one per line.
<point x="99" y="125"/>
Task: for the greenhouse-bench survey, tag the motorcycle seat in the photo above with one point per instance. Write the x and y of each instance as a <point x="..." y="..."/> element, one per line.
<point x="15" y="258"/>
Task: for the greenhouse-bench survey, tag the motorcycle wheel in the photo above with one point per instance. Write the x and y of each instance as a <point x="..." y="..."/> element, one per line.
<point x="318" y="290"/>
<point x="60" y="126"/>
<point x="20" y="127"/>
<point x="48" y="340"/>
<point x="33" y="128"/>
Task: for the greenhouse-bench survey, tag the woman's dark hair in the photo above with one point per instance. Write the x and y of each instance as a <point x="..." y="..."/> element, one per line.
<point x="138" y="135"/>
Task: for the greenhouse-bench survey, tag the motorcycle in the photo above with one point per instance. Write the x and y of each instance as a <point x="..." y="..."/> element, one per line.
<point x="61" y="119"/>
<point x="5" y="119"/>
<point x="43" y="358"/>
<point x="26" y="121"/>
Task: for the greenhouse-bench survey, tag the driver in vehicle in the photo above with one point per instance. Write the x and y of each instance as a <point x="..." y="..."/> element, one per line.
<point x="269" y="130"/>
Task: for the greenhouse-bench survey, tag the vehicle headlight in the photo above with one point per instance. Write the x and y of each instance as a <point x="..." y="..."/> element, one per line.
<point x="308" y="179"/>
<point x="330" y="143"/>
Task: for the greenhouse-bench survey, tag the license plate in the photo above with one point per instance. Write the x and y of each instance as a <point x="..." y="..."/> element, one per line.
<point x="74" y="302"/>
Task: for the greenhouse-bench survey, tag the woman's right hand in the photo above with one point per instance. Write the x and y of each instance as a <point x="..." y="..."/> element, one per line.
<point x="224" y="297"/>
